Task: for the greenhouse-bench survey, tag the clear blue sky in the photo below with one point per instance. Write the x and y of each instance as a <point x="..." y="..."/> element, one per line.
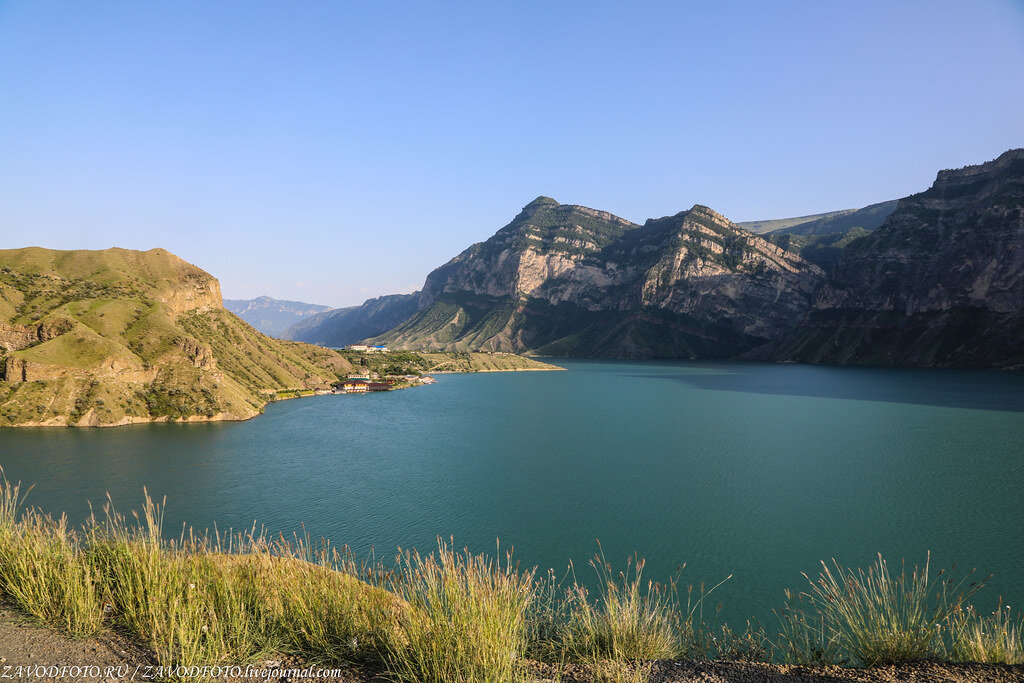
<point x="332" y="151"/>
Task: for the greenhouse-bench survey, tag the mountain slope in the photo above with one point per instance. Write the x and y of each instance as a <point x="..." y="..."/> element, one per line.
<point x="940" y="283"/>
<point x="272" y="316"/>
<point x="569" y="280"/>
<point x="343" y="326"/>
<point x="869" y="218"/>
<point x="778" y="224"/>
<point x="118" y="336"/>
<point x="823" y="251"/>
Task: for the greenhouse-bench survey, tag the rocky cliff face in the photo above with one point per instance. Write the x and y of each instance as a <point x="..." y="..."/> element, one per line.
<point x="569" y="280"/>
<point x="544" y="243"/>
<point x="940" y="283"/>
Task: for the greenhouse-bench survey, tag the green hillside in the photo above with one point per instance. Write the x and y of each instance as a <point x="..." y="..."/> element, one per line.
<point x="117" y="336"/>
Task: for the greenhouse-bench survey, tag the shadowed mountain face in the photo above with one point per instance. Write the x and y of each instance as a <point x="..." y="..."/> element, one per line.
<point x="110" y="337"/>
<point x="343" y="326"/>
<point x="272" y="316"/>
<point x="569" y="280"/>
<point x="940" y="283"/>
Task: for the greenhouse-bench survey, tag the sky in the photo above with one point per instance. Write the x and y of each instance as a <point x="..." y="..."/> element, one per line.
<point x="333" y="151"/>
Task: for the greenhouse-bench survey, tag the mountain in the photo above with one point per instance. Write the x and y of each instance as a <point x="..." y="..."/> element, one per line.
<point x="574" y="281"/>
<point x="772" y="224"/>
<point x="272" y="316"/>
<point x="868" y="218"/>
<point x="343" y="326"/>
<point x="823" y="251"/>
<point x="940" y="283"/>
<point x="117" y="336"/>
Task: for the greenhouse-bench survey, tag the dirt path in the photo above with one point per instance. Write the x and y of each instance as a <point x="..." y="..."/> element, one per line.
<point x="30" y="653"/>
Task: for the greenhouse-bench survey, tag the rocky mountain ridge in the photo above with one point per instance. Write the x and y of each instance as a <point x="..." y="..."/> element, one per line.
<point x="568" y="280"/>
<point x="933" y="279"/>
<point x="940" y="283"/>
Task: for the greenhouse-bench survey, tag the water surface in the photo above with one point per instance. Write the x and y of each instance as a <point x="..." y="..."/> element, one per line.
<point x="754" y="470"/>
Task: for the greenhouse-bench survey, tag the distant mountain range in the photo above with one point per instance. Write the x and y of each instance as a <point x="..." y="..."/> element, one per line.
<point x="343" y="326"/>
<point x="272" y="316"/>
<point x="933" y="279"/>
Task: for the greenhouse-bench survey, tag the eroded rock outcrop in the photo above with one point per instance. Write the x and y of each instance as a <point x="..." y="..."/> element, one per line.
<point x="569" y="280"/>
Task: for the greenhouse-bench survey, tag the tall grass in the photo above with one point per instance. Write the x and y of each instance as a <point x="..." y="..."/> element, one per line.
<point x="182" y="598"/>
<point x="875" y="616"/>
<point x="997" y="638"/>
<point x="202" y="599"/>
<point x="41" y="569"/>
<point x="466" y="618"/>
<point x="805" y="636"/>
<point x="324" y="605"/>
<point x="630" y="620"/>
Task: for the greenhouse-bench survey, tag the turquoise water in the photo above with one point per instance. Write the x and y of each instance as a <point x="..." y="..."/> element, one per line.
<point x="759" y="471"/>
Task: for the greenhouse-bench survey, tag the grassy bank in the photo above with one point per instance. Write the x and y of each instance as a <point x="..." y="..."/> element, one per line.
<point x="451" y="616"/>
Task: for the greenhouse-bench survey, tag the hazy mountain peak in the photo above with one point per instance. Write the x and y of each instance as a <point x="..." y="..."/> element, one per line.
<point x="272" y="316"/>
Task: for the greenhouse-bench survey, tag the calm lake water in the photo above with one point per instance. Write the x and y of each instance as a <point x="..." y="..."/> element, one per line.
<point x="759" y="471"/>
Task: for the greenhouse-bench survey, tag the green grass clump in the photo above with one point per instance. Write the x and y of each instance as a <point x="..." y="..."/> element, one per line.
<point x="41" y="570"/>
<point x="179" y="598"/>
<point x="466" y="618"/>
<point x="319" y="608"/>
<point x="994" y="639"/>
<point x="631" y="620"/>
<point x="873" y="617"/>
<point x="805" y="637"/>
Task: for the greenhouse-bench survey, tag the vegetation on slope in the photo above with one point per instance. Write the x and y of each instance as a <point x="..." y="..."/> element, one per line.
<point x="449" y="616"/>
<point x="400" y="362"/>
<point x="111" y="337"/>
<point x="118" y="336"/>
<point x="823" y="251"/>
<point x="869" y="218"/>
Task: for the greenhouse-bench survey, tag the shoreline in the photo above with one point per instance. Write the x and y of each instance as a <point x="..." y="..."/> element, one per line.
<point x="231" y="417"/>
<point x="553" y="368"/>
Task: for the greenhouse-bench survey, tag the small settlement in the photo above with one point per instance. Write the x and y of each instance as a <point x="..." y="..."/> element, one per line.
<point x="367" y="381"/>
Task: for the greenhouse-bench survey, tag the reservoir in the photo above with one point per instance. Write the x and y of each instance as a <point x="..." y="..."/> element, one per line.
<point x="755" y="470"/>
